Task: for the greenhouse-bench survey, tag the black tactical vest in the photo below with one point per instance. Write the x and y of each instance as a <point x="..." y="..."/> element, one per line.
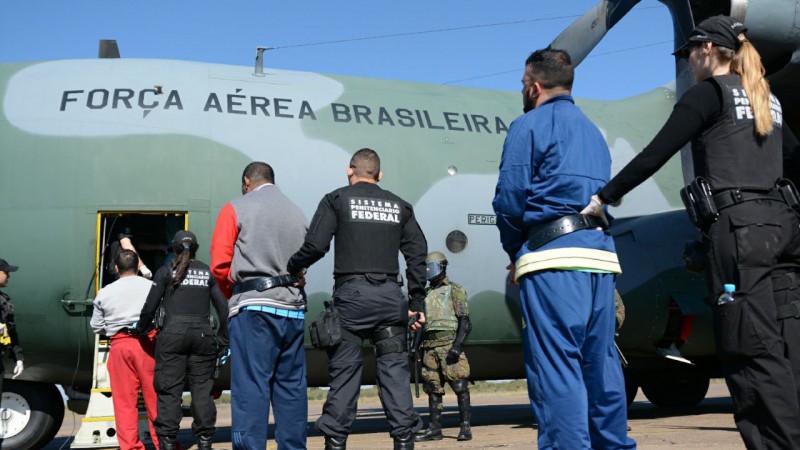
<point x="728" y="153"/>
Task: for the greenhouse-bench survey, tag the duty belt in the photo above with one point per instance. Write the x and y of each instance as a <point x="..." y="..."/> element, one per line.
<point x="542" y="234"/>
<point x="732" y="197"/>
<point x="262" y="284"/>
<point x="186" y="319"/>
<point x="374" y="278"/>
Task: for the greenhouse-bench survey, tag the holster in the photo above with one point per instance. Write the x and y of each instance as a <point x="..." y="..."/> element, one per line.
<point x="789" y="193"/>
<point x="698" y="200"/>
<point x="159" y="317"/>
<point x="326" y="330"/>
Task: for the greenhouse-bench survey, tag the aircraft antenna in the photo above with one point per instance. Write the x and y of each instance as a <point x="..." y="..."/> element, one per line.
<point x="260" y="60"/>
<point x="108" y="49"/>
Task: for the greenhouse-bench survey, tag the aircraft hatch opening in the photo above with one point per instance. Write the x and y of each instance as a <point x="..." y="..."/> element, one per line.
<point x="150" y="233"/>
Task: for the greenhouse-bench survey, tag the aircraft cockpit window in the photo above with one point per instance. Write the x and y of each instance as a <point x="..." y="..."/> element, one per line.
<point x="456" y="241"/>
<point x="150" y="234"/>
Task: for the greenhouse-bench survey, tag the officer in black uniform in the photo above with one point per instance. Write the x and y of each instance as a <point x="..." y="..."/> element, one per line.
<point x="8" y="330"/>
<point x="370" y="225"/>
<point x="737" y="135"/>
<point x="187" y="344"/>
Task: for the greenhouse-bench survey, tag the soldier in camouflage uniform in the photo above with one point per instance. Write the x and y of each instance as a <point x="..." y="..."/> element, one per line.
<point x="447" y="327"/>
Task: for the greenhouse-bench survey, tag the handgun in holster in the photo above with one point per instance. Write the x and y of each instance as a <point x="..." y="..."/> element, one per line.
<point x="789" y="193"/>
<point x="698" y="199"/>
<point x="159" y="317"/>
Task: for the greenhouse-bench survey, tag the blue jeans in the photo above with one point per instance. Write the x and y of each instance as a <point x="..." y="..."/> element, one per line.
<point x="574" y="375"/>
<point x="268" y="365"/>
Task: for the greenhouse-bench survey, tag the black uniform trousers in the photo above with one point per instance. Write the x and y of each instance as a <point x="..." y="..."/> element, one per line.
<point x="365" y="307"/>
<point x="743" y="247"/>
<point x="185" y="349"/>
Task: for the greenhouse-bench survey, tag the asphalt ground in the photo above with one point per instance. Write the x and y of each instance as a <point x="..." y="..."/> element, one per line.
<point x="501" y="420"/>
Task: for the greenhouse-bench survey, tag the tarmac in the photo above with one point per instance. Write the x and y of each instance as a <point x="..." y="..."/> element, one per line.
<point x="502" y="421"/>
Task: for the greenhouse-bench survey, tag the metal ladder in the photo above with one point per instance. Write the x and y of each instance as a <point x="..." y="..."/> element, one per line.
<point x="98" y="428"/>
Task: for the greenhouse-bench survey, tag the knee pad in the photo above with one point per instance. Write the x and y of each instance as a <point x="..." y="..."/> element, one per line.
<point x="459" y="386"/>
<point x="429" y="387"/>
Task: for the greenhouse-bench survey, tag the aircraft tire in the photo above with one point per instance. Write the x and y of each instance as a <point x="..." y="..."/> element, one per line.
<point x="676" y="393"/>
<point x="631" y="387"/>
<point x="46" y="408"/>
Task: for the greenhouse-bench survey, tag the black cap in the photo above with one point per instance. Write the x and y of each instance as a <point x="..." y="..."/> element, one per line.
<point x="6" y="267"/>
<point x="719" y="30"/>
<point x="184" y="239"/>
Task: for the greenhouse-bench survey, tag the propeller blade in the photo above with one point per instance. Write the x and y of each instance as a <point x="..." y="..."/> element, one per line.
<point x="585" y="33"/>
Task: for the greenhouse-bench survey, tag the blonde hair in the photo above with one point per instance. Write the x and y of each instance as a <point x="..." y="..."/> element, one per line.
<point x="746" y="62"/>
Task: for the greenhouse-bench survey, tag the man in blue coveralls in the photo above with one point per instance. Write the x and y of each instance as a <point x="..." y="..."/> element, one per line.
<point x="553" y="160"/>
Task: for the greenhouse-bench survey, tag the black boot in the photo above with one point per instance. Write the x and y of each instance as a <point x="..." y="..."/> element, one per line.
<point x="335" y="443"/>
<point x="204" y="442"/>
<point x="167" y="442"/>
<point x="434" y="431"/>
<point x="465" y="433"/>
<point x="404" y="442"/>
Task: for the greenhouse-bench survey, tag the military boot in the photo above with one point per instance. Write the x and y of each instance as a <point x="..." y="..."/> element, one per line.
<point x="465" y="433"/>
<point x="404" y="442"/>
<point x="335" y="443"/>
<point x="204" y="442"/>
<point x="434" y="431"/>
<point x="167" y="442"/>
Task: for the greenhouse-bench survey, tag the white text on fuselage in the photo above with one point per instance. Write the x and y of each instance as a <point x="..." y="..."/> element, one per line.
<point x="237" y="103"/>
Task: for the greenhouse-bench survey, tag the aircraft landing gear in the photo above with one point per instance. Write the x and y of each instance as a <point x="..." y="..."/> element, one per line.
<point x="30" y="414"/>
<point x="669" y="393"/>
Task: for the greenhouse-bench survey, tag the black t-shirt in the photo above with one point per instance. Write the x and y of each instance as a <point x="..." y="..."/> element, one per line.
<point x="699" y="106"/>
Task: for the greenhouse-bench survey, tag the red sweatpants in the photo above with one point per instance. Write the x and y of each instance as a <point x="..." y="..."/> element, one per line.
<point x="131" y="366"/>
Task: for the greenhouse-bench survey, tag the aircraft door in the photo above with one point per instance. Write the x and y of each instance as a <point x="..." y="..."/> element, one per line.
<point x="148" y="232"/>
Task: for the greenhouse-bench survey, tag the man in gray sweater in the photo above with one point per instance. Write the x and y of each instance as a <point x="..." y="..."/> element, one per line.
<point x="254" y="237"/>
<point x="131" y="363"/>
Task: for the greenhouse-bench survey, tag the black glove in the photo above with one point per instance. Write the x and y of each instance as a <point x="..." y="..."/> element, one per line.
<point x="452" y="355"/>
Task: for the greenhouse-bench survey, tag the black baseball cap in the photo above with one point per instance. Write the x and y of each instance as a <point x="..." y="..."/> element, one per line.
<point x="6" y="267"/>
<point x="719" y="30"/>
<point x="184" y="238"/>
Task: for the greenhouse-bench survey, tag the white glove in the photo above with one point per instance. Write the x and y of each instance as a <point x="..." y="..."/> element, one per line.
<point x="146" y="272"/>
<point x="2" y="328"/>
<point x="595" y="208"/>
<point x="18" y="369"/>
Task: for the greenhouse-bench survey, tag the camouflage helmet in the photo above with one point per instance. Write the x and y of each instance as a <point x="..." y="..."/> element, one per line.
<point x="435" y="265"/>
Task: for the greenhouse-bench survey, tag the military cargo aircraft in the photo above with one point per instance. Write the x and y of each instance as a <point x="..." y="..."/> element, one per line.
<point x="90" y="147"/>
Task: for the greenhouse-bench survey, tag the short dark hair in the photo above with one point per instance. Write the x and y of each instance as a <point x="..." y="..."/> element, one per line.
<point x="366" y="163"/>
<point x="551" y="68"/>
<point x="127" y="261"/>
<point x="259" y="171"/>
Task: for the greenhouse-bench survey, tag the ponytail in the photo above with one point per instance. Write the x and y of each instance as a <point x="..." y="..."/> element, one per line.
<point x="179" y="266"/>
<point x="747" y="64"/>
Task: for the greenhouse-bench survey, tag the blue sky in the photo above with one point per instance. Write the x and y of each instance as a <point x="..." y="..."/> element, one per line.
<point x="487" y="52"/>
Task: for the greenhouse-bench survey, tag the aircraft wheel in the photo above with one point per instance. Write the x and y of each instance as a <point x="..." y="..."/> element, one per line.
<point x="30" y="414"/>
<point x="667" y="393"/>
<point x="631" y="387"/>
